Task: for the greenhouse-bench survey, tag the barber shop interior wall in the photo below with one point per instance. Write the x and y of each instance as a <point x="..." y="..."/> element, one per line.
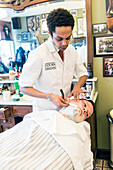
<point x="104" y="85"/>
<point x="23" y="36"/>
<point x="17" y="32"/>
<point x="38" y="34"/>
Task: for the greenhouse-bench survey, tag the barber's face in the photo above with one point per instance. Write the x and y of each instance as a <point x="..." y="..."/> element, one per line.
<point x="86" y="108"/>
<point x="61" y="37"/>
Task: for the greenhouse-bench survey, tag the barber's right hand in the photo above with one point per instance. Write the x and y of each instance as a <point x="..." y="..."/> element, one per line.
<point x="58" y="100"/>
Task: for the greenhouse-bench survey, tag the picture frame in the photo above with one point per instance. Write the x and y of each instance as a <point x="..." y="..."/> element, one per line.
<point x="32" y="36"/>
<point x="103" y="45"/>
<point x="73" y="12"/>
<point x="24" y="36"/>
<point x="5" y="31"/>
<point x="37" y="21"/>
<point x="108" y="66"/>
<point x="44" y="28"/>
<point x="84" y="12"/>
<point x="43" y="16"/>
<point x="31" y="23"/>
<point x="80" y="26"/>
<point x="18" y="37"/>
<point x="99" y="28"/>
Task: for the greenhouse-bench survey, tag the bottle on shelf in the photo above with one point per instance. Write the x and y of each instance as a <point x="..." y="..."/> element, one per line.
<point x="16" y="85"/>
<point x="11" y="74"/>
<point x="16" y="70"/>
<point x="90" y="71"/>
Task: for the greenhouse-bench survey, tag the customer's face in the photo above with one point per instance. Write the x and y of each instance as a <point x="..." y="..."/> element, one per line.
<point x="61" y="37"/>
<point x="85" y="107"/>
<point x="77" y="111"/>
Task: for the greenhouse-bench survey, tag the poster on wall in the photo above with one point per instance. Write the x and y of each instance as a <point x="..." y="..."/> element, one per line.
<point x="18" y="37"/>
<point x="43" y="16"/>
<point x="24" y="36"/>
<point x="80" y="25"/>
<point x="5" y="31"/>
<point x="73" y="12"/>
<point x="84" y="12"/>
<point x="44" y="26"/>
<point x="31" y="23"/>
<point x="37" y="21"/>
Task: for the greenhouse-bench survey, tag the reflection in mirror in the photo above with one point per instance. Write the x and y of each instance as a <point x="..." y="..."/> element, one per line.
<point x="28" y="28"/>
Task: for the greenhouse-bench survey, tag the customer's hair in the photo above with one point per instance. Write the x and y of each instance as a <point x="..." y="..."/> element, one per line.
<point x="91" y="101"/>
<point x="58" y="18"/>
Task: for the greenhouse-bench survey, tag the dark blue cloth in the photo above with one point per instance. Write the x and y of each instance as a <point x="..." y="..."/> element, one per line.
<point x="3" y="68"/>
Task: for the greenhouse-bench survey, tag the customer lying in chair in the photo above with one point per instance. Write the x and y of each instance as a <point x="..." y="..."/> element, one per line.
<point x="78" y="110"/>
<point x="47" y="140"/>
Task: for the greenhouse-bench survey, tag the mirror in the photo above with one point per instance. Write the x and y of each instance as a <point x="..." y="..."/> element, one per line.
<point x="21" y="36"/>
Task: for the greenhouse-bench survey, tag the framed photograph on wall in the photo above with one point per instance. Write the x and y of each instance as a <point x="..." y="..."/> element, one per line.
<point x="31" y="23"/>
<point x="108" y="66"/>
<point x="18" y="37"/>
<point x="84" y="12"/>
<point x="43" y="16"/>
<point x="103" y="45"/>
<point x="73" y="12"/>
<point x="5" y="31"/>
<point x="100" y="28"/>
<point x="37" y="21"/>
<point x="80" y="26"/>
<point x="44" y="27"/>
<point x="32" y="35"/>
<point x="24" y="36"/>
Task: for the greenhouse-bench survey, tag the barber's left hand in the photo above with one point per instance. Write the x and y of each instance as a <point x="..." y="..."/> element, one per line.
<point x="76" y="92"/>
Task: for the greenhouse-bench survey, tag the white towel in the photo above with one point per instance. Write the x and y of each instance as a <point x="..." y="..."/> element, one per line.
<point x="73" y="137"/>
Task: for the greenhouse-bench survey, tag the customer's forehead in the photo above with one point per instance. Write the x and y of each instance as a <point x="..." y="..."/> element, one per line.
<point x="85" y="102"/>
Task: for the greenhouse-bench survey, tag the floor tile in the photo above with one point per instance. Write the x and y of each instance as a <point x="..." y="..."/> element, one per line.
<point x="99" y="162"/>
<point x="98" y="168"/>
<point x="105" y="163"/>
<point x="102" y="164"/>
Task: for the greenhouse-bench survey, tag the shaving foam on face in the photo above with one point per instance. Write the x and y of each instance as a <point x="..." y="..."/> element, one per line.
<point x="71" y="112"/>
<point x="68" y="110"/>
<point x="72" y="104"/>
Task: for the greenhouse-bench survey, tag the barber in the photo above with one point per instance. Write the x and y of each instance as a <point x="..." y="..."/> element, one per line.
<point x="46" y="72"/>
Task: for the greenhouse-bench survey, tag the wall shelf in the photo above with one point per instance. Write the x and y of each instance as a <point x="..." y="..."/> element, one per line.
<point x="94" y="93"/>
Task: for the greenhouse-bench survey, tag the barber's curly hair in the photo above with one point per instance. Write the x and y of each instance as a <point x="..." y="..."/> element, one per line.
<point x="58" y="18"/>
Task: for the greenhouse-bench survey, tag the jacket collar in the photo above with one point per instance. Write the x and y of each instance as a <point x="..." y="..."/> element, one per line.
<point x="51" y="45"/>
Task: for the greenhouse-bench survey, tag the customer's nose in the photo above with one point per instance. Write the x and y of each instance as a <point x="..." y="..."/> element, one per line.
<point x="86" y="111"/>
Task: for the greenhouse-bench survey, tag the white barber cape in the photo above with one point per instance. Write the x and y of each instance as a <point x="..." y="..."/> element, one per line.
<point x="73" y="137"/>
<point x="45" y="71"/>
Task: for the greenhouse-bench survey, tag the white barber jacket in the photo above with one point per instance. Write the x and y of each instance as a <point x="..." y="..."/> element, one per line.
<point x="46" y="72"/>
